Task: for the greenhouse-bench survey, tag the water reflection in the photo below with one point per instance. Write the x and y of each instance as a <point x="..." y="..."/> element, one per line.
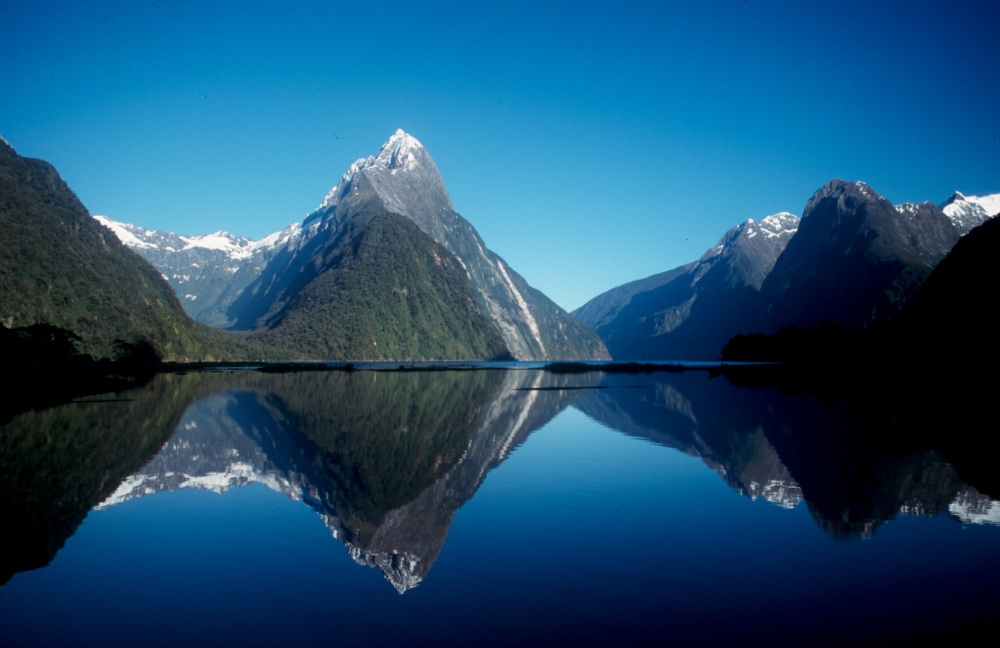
<point x="57" y="463"/>
<point x="856" y="463"/>
<point x="387" y="458"/>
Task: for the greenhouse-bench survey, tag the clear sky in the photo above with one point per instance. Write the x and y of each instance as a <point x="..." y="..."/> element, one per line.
<point x="590" y="143"/>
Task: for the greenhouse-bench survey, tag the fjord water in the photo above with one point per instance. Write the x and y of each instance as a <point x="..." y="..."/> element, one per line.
<point x="487" y="507"/>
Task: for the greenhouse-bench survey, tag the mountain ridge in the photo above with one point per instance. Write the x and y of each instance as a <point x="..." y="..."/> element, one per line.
<point x="401" y="179"/>
<point x="854" y="259"/>
<point x="685" y="313"/>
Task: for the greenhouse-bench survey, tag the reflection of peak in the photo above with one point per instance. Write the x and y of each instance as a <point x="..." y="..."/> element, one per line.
<point x="211" y="451"/>
<point x="409" y="538"/>
<point x="664" y="412"/>
<point x="391" y="508"/>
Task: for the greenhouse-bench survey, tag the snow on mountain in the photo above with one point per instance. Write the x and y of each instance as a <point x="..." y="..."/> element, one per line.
<point x="133" y="236"/>
<point x="970" y="211"/>
<point x="233" y="247"/>
<point x="401" y="152"/>
<point x="403" y="179"/>
<point x="990" y="203"/>
<point x="207" y="272"/>
<point x="779" y="226"/>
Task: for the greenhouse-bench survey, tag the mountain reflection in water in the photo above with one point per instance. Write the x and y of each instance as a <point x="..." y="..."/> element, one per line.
<point x="387" y="458"/>
<point x="851" y="465"/>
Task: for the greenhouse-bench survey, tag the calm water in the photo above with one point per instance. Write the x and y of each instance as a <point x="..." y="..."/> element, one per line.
<point x="487" y="508"/>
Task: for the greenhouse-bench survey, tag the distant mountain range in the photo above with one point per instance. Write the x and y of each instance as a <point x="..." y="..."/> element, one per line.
<point x="853" y="259"/>
<point x="383" y="269"/>
<point x="206" y="272"/>
<point x="687" y="312"/>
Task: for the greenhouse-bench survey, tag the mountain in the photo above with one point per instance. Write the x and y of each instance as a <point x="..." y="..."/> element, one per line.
<point x="383" y="290"/>
<point x="61" y="268"/>
<point x="691" y="311"/>
<point x="206" y="272"/>
<point x="855" y="259"/>
<point x="967" y="212"/>
<point x="948" y="317"/>
<point x="852" y="259"/>
<point x="403" y="180"/>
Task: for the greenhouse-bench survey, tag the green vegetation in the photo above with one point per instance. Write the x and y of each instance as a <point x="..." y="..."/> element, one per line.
<point x="100" y="301"/>
<point x="62" y="268"/>
<point x="383" y="437"/>
<point x="58" y="463"/>
<point x="386" y="291"/>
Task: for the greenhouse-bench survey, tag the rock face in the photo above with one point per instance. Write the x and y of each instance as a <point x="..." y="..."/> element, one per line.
<point x="403" y="179"/>
<point x="61" y="268"/>
<point x="855" y="259"/>
<point x="206" y="272"/>
<point x="949" y="316"/>
<point x="690" y="312"/>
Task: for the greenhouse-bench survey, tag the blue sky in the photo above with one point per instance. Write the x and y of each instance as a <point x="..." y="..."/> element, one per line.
<point x="590" y="143"/>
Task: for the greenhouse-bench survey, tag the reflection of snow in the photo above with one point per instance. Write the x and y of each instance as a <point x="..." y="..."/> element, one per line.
<point x="235" y="474"/>
<point x="776" y="491"/>
<point x="972" y="507"/>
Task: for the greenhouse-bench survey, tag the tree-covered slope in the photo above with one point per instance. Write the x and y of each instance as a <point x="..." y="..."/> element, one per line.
<point x="61" y="268"/>
<point x="384" y="291"/>
<point x="950" y="316"/>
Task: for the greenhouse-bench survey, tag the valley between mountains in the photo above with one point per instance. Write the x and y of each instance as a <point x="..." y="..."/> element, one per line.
<point x="385" y="268"/>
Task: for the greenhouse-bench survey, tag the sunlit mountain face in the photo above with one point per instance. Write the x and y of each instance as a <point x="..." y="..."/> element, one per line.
<point x="384" y="268"/>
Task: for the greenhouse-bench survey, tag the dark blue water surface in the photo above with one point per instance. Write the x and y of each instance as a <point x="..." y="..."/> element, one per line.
<point x="485" y="508"/>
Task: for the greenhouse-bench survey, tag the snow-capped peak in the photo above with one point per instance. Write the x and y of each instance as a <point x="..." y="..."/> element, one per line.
<point x="866" y="190"/>
<point x="130" y="235"/>
<point x="401" y="153"/>
<point x="236" y="248"/>
<point x="991" y="203"/>
<point x="967" y="212"/>
<point x="780" y="224"/>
